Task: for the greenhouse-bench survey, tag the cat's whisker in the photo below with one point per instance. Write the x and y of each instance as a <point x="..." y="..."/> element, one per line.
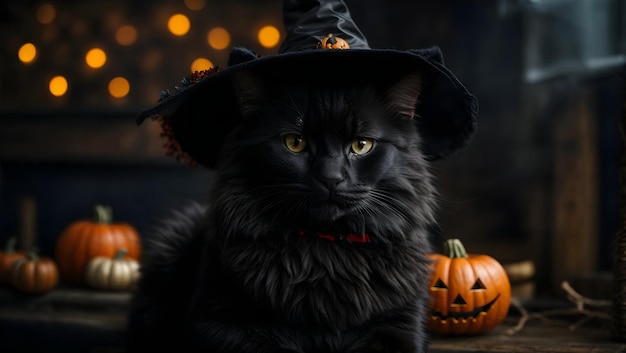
<point x="386" y="201"/>
<point x="424" y="203"/>
<point x="365" y="212"/>
<point x="272" y="197"/>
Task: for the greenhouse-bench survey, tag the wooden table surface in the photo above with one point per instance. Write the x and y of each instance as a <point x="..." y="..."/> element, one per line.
<point x="536" y="336"/>
<point x="79" y="320"/>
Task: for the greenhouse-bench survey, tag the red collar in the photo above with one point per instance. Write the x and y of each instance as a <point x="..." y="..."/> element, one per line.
<point x="350" y="238"/>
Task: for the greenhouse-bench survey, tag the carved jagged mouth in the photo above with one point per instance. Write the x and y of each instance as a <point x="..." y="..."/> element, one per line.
<point x="462" y="316"/>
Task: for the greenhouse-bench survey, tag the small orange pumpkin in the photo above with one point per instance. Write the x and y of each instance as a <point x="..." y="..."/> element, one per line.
<point x="332" y="42"/>
<point x="470" y="294"/>
<point x="83" y="240"/>
<point x="7" y="259"/>
<point x="35" y="274"/>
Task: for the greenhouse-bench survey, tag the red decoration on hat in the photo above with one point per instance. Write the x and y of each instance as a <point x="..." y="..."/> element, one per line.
<point x="171" y="145"/>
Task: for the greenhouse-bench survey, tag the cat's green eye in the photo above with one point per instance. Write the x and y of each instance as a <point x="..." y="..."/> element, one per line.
<point x="295" y="143"/>
<point x="362" y="145"/>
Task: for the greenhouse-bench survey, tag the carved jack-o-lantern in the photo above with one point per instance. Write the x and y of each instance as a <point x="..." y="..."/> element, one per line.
<point x="470" y="294"/>
<point x="332" y="42"/>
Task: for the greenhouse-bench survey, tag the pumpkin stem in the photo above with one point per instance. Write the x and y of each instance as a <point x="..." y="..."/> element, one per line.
<point x="103" y="214"/>
<point x="10" y="247"/>
<point x="121" y="253"/>
<point x="32" y="256"/>
<point x="453" y="248"/>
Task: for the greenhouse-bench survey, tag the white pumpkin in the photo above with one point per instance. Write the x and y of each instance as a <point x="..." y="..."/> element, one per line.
<point x="115" y="273"/>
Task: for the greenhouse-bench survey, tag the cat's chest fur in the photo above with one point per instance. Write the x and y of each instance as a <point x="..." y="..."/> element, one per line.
<point x="309" y="294"/>
<point x="308" y="282"/>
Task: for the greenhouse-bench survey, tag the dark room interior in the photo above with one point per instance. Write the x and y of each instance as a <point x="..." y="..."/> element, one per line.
<point x="538" y="189"/>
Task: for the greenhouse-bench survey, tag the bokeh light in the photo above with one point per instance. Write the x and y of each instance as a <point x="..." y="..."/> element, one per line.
<point x="27" y="53"/>
<point x="96" y="58"/>
<point x="126" y="35"/>
<point x="119" y="87"/>
<point x="179" y="25"/>
<point x="269" y="36"/>
<point x="46" y="14"/>
<point x="58" y="86"/>
<point x="201" y="64"/>
<point x="218" y="38"/>
<point x="195" y="4"/>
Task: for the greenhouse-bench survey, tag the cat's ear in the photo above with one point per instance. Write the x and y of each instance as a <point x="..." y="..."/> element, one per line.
<point x="249" y="91"/>
<point x="402" y="96"/>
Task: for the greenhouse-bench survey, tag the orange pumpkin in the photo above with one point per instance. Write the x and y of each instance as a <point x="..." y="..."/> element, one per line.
<point x="35" y="274"/>
<point x="83" y="240"/>
<point x="332" y="42"/>
<point x="7" y="259"/>
<point x="470" y="294"/>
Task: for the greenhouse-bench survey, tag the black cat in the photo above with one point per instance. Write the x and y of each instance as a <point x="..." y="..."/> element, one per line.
<point x="314" y="239"/>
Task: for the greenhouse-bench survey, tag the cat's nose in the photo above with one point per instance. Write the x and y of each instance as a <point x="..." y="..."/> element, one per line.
<point x="328" y="172"/>
<point x="331" y="183"/>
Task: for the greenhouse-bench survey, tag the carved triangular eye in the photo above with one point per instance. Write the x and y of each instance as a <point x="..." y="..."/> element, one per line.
<point x="439" y="285"/>
<point x="478" y="285"/>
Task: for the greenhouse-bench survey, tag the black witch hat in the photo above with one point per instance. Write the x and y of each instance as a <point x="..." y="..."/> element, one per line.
<point x="321" y="37"/>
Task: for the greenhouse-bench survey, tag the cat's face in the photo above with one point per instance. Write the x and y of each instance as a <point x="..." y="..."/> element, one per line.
<point x="337" y="160"/>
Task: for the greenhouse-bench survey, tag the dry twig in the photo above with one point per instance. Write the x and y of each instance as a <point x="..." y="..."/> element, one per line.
<point x="581" y="303"/>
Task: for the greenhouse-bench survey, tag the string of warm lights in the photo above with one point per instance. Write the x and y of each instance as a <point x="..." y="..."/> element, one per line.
<point x="98" y="56"/>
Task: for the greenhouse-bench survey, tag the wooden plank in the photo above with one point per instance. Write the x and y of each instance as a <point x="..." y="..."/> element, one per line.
<point x="80" y="138"/>
<point x="552" y="336"/>
<point x="67" y="298"/>
<point x="619" y="256"/>
<point x="28" y="223"/>
<point x="574" y="245"/>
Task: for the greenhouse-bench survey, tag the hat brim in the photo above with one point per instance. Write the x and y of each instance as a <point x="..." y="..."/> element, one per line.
<point x="200" y="116"/>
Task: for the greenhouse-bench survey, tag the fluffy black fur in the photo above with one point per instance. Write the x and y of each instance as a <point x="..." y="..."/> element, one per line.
<point x="237" y="276"/>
